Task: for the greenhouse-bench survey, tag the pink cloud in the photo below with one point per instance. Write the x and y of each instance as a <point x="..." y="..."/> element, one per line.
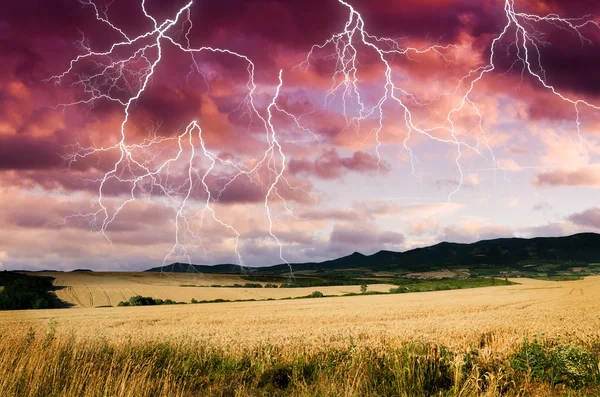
<point x="585" y="177"/>
<point x="330" y="165"/>
<point x="589" y="218"/>
<point x="473" y="230"/>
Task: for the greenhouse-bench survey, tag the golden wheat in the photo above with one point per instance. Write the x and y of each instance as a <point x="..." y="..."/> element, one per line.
<point x="455" y="318"/>
<point x="351" y="343"/>
<point x="91" y="289"/>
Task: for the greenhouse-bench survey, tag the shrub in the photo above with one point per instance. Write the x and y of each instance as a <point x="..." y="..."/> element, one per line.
<point x="139" y="300"/>
<point x="316" y="294"/>
<point x="252" y="285"/>
<point x="24" y="292"/>
<point x="565" y="364"/>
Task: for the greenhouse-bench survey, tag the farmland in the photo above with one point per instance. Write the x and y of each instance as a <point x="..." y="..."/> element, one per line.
<point x="89" y="289"/>
<point x="454" y="318"/>
<point x="246" y="341"/>
<point x="535" y="338"/>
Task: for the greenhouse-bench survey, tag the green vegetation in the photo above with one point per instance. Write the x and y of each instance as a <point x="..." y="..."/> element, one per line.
<point x="139" y="300"/>
<point x="327" y="282"/>
<point x="315" y="294"/>
<point x="568" y="364"/>
<point x="564" y="278"/>
<point x="252" y="285"/>
<point x="304" y="281"/>
<point x="63" y="366"/>
<point x="414" y="285"/>
<point x="194" y="301"/>
<point x="21" y="291"/>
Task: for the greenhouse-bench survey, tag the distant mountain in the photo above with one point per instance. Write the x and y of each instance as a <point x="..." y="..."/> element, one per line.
<point x="549" y="253"/>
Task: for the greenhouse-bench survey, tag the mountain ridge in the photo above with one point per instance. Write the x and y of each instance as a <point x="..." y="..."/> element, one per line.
<point x="506" y="253"/>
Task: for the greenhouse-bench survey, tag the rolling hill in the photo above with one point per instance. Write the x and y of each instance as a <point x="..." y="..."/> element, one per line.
<point x="547" y="255"/>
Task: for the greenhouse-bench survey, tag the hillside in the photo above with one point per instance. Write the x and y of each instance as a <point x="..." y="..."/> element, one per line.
<point x="546" y="256"/>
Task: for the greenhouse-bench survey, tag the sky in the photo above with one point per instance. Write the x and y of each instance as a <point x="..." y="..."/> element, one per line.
<point x="139" y="133"/>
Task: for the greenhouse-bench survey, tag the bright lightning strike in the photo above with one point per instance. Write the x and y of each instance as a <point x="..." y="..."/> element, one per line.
<point x="123" y="72"/>
<point x="144" y="172"/>
<point x="526" y="40"/>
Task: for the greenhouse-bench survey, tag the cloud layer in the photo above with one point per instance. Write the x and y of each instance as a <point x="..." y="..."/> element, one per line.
<point x="350" y="180"/>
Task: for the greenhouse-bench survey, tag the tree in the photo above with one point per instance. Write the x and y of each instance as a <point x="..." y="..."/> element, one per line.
<point x="363" y="288"/>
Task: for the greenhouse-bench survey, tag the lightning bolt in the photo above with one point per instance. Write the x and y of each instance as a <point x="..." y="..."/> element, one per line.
<point x="345" y="82"/>
<point x="123" y="72"/>
<point x="131" y="74"/>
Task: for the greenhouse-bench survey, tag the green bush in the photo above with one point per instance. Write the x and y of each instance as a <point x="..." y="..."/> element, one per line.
<point x="567" y="364"/>
<point x="316" y="294"/>
<point x="139" y="300"/>
<point x="22" y="291"/>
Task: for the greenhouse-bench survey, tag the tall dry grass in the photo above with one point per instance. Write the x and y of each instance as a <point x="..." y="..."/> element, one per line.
<point x="48" y="364"/>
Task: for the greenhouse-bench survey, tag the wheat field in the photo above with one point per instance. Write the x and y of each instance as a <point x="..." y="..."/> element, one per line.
<point x="565" y="309"/>
<point x="471" y="342"/>
<point x="93" y="289"/>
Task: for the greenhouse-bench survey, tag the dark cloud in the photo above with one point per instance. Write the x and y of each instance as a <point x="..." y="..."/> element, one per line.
<point x="330" y="165"/>
<point x="26" y="153"/>
<point x="568" y="62"/>
<point x="368" y="238"/>
<point x="555" y="229"/>
<point x="587" y="218"/>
